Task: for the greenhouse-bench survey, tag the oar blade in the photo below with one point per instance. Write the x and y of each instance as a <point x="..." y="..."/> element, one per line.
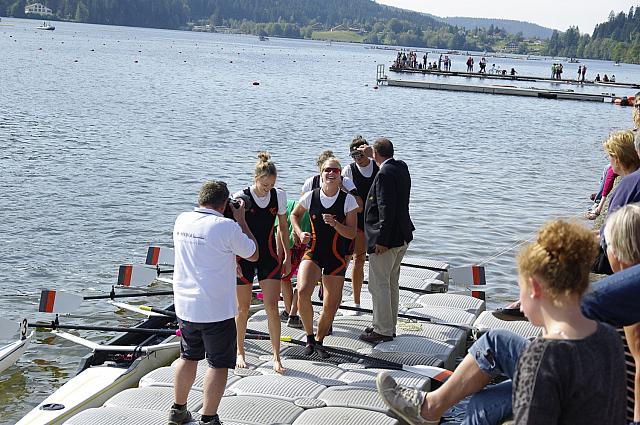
<point x="134" y="275"/>
<point x="52" y="301"/>
<point x="8" y="328"/>
<point x="160" y="256"/>
<point x="470" y="275"/>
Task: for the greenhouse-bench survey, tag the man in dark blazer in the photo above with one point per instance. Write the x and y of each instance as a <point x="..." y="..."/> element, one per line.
<point x="388" y="231"/>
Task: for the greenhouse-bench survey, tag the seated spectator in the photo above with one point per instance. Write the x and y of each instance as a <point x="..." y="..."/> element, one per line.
<point x="553" y="378"/>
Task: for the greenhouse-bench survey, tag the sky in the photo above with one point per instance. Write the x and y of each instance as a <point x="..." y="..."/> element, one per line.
<point x="555" y="14"/>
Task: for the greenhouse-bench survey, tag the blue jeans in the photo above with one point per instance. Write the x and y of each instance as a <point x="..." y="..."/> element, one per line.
<point x="614" y="299"/>
<point x="496" y="353"/>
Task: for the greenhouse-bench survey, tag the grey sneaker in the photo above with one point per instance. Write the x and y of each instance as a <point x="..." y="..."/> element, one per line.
<point x="284" y="316"/>
<point x="402" y="400"/>
<point x="294" y="322"/>
<point x="179" y="416"/>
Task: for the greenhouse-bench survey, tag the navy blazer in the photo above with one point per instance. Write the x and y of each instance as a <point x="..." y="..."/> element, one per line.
<point x="386" y="212"/>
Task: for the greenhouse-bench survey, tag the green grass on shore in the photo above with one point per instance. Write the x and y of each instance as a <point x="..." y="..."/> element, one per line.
<point x="346" y="36"/>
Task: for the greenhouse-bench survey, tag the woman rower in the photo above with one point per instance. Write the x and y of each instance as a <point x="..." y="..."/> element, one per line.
<point x="334" y="219"/>
<point x="268" y="202"/>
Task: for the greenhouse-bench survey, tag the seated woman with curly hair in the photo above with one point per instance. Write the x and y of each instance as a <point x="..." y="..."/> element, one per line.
<point x="572" y="374"/>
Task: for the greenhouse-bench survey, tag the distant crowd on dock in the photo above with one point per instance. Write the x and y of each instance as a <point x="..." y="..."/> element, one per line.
<point x="410" y="61"/>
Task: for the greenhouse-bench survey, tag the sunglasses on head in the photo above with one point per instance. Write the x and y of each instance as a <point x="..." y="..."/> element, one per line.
<point x="332" y="170"/>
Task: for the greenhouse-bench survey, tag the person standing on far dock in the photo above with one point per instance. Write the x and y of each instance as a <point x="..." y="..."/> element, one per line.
<point x="553" y="71"/>
<point x="584" y="71"/>
<point x="424" y="60"/>
<point x="579" y="72"/>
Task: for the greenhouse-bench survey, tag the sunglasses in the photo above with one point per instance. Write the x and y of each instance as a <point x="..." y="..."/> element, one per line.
<point x="637" y="105"/>
<point x="329" y="170"/>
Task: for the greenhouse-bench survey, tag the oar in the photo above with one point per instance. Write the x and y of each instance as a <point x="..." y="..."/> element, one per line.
<point x="405" y="316"/>
<point x="129" y="274"/>
<point x="52" y="301"/>
<point x="7" y="328"/>
<point x="432" y="372"/>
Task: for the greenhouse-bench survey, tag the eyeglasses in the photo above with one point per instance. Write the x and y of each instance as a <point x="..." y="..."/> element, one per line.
<point x="329" y="170"/>
<point x="356" y="155"/>
<point x="637" y="105"/>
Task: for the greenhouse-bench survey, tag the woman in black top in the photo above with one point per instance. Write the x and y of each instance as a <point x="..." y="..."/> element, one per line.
<point x="268" y="203"/>
<point x="333" y="224"/>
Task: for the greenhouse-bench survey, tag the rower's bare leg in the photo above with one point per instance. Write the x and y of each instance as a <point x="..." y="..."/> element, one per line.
<point x="633" y="339"/>
<point x="243" y="293"/>
<point x="359" y="255"/>
<point x="287" y="294"/>
<point x="467" y="379"/>
<point x="294" y="303"/>
<point x="308" y="274"/>
<point x="185" y="376"/>
<point x="271" y="296"/>
<point x="330" y="303"/>
<point x="215" y="381"/>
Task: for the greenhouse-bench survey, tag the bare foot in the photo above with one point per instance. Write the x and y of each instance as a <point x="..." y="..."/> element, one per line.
<point x="240" y="362"/>
<point x="277" y="366"/>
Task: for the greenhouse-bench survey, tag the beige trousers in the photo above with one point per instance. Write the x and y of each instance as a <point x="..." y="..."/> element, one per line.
<point x="384" y="273"/>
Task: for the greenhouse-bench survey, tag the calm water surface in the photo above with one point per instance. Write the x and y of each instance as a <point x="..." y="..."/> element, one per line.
<point x="106" y="134"/>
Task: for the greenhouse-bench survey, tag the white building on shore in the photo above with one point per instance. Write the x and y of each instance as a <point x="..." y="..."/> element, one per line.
<point x="38" y="8"/>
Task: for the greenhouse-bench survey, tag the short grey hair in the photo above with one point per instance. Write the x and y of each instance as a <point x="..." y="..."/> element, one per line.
<point x="213" y="193"/>
<point x="622" y="233"/>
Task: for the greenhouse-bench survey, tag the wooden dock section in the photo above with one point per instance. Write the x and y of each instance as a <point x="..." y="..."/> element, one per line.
<point x="512" y="77"/>
<point x="381" y="78"/>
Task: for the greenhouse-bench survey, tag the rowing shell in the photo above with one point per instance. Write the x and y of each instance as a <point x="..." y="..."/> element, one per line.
<point x="10" y="353"/>
<point x="108" y="370"/>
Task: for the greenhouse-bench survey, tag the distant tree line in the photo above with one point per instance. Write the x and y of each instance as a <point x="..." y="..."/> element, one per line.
<point x="617" y="39"/>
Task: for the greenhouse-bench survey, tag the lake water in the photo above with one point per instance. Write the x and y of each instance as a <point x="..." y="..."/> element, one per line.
<point x="106" y="134"/>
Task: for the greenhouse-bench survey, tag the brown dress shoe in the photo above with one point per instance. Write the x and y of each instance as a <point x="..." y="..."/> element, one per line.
<point x="374" y="337"/>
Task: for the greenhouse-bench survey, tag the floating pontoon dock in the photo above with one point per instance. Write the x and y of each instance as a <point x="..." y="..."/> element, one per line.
<point x="381" y="78"/>
<point x="512" y="77"/>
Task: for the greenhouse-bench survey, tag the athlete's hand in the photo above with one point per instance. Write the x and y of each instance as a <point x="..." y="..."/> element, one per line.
<point x="329" y="219"/>
<point x="381" y="249"/>
<point x="305" y="238"/>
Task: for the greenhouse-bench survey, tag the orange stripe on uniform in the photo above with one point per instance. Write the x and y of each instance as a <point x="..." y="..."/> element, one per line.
<point x="340" y="258"/>
<point x="443" y="376"/>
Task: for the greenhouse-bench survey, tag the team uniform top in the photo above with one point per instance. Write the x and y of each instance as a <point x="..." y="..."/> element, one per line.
<point x="206" y="245"/>
<point x="362" y="177"/>
<point x="314" y="183"/>
<point x="327" y="248"/>
<point x="260" y="218"/>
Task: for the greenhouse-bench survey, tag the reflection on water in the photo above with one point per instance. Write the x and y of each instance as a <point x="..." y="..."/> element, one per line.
<point x="108" y="132"/>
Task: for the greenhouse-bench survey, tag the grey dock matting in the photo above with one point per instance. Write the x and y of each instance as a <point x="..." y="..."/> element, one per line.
<point x="353" y="397"/>
<point x="313" y="371"/>
<point x="285" y="387"/>
<point x="463" y="302"/>
<point x="152" y="398"/>
<point x="524" y="328"/>
<point x="341" y="415"/>
<point x="257" y="410"/>
<point x="164" y="376"/>
<point x="120" y="416"/>
<point x="367" y="378"/>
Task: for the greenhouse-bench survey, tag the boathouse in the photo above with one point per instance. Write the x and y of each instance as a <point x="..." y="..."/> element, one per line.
<point x="38" y="8"/>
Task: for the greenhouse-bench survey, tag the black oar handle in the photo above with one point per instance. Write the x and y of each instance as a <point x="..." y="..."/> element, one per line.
<point x="149" y="331"/>
<point x="366" y="310"/>
<point x="134" y="295"/>
<point x="388" y="364"/>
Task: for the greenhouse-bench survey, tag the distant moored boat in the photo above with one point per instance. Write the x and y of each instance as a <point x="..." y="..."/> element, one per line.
<point x="45" y="26"/>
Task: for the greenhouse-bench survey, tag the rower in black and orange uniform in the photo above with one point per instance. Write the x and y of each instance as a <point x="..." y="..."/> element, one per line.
<point x="268" y="203"/>
<point x="362" y="171"/>
<point x="333" y="215"/>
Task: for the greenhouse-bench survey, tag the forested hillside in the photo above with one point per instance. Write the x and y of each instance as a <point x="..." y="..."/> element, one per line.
<point x="360" y="20"/>
<point x="617" y="39"/>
